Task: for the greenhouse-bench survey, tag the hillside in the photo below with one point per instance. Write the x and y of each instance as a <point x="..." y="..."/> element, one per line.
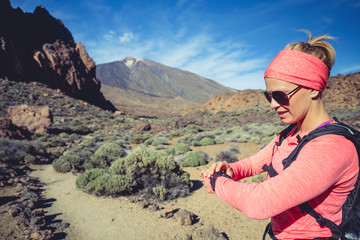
<point x="154" y="79"/>
<point x="141" y="104"/>
<point x="342" y="92"/>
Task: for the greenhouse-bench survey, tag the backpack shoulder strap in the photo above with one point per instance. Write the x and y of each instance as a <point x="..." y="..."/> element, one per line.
<point x="283" y="134"/>
<point x="337" y="128"/>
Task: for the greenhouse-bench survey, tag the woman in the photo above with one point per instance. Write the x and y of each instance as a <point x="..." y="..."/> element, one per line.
<point x="324" y="172"/>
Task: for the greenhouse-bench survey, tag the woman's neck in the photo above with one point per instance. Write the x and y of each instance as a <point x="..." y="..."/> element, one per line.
<point x="315" y="117"/>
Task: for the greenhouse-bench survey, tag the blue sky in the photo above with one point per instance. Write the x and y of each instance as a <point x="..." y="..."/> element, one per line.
<point x="229" y="41"/>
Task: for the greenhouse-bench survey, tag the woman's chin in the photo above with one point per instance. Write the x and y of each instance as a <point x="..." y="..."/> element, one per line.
<point x="286" y="120"/>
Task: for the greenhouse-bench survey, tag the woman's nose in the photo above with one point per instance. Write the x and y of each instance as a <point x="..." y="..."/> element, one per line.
<point x="274" y="104"/>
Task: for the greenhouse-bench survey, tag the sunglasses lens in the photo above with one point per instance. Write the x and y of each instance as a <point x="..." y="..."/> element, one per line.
<point x="280" y="97"/>
<point x="268" y="97"/>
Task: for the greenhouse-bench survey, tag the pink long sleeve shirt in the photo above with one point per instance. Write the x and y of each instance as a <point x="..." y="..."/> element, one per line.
<point x="323" y="174"/>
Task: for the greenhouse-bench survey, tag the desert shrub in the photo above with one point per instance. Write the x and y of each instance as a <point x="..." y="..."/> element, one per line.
<point x="193" y="129"/>
<point x="137" y="139"/>
<point x="207" y="141"/>
<point x="160" y="147"/>
<point x="233" y="148"/>
<point x="181" y="148"/>
<point x="141" y="146"/>
<point x="87" y="177"/>
<point x="15" y="151"/>
<point x="57" y="142"/>
<point x="61" y="164"/>
<point x="160" y="192"/>
<point x="219" y="141"/>
<point x="74" y="158"/>
<point x="106" y="154"/>
<point x="227" y="156"/>
<point x="82" y="129"/>
<point x="156" y="142"/>
<point x="160" y="141"/>
<point x="195" y="158"/>
<point x="109" y="184"/>
<point x="176" y="133"/>
<point x="256" y="139"/>
<point x="29" y="158"/>
<point x="179" y="159"/>
<point x="356" y="124"/>
<point x="170" y="151"/>
<point x="149" y="141"/>
<point x="151" y="169"/>
<point x="199" y="137"/>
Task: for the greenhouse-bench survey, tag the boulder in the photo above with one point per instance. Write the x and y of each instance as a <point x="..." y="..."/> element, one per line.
<point x="36" y="119"/>
<point x="184" y="217"/>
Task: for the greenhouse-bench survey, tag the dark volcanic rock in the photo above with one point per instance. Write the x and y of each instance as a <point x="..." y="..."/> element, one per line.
<point x="38" y="47"/>
<point x="11" y="131"/>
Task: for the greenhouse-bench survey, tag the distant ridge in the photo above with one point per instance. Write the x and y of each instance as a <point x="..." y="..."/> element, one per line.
<point x="342" y="92"/>
<point x="155" y="79"/>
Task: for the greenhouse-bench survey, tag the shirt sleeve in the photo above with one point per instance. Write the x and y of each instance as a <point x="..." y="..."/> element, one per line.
<point x="253" y="165"/>
<point x="319" y="165"/>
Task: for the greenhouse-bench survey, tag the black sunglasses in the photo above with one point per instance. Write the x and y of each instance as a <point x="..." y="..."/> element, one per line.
<point x="279" y="96"/>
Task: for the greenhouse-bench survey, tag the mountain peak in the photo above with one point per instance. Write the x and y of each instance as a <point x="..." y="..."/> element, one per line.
<point x="130" y="61"/>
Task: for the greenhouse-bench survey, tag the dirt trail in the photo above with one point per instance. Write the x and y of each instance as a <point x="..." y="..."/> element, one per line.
<point x="117" y="218"/>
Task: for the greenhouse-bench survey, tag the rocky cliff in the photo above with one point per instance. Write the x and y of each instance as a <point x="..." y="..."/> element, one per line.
<point x="37" y="47"/>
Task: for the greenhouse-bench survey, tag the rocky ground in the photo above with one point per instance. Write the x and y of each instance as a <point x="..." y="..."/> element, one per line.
<point x="43" y="204"/>
<point x="198" y="216"/>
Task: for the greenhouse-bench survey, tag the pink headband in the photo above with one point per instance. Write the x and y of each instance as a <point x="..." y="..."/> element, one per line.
<point x="299" y="68"/>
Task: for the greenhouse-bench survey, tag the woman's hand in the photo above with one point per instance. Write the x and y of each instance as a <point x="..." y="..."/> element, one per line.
<point x="216" y="167"/>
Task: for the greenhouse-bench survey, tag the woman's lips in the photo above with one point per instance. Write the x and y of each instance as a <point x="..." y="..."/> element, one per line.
<point x="281" y="114"/>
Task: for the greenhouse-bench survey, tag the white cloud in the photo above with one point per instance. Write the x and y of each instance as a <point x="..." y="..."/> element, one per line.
<point x="110" y="36"/>
<point x="225" y="62"/>
<point x="351" y="69"/>
<point x="126" y="37"/>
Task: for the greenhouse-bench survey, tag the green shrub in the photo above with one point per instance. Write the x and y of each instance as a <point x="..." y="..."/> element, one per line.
<point x="196" y="158"/>
<point x="87" y="177"/>
<point x="29" y="158"/>
<point x="149" y="141"/>
<point x="138" y="139"/>
<point x="61" y="165"/>
<point x="106" y="154"/>
<point x="193" y="129"/>
<point x="233" y="148"/>
<point x="56" y="142"/>
<point x="207" y="141"/>
<point x="219" y="141"/>
<point x="227" y="156"/>
<point x="181" y="148"/>
<point x="149" y="169"/>
<point x="176" y="133"/>
<point x="170" y="151"/>
<point x="156" y="142"/>
<point x="82" y="129"/>
<point x="15" y="151"/>
<point x="160" y="192"/>
<point x="160" y="141"/>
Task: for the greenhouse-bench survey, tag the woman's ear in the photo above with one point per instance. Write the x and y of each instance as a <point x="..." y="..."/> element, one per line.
<point x="315" y="94"/>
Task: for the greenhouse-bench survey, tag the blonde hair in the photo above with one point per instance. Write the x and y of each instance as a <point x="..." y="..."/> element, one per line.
<point x="317" y="47"/>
